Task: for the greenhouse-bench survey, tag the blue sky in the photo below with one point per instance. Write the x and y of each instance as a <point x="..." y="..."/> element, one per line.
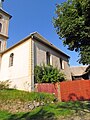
<point x="35" y="15"/>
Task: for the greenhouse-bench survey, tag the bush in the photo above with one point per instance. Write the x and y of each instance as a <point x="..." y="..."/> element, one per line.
<point x="4" y="84"/>
<point x="48" y="74"/>
<point x="38" y="73"/>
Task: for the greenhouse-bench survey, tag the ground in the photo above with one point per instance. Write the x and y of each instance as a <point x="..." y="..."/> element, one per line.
<point x="16" y="105"/>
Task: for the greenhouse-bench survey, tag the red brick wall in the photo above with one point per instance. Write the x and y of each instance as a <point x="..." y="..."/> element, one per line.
<point x="75" y="90"/>
<point x="48" y="88"/>
<point x="68" y="91"/>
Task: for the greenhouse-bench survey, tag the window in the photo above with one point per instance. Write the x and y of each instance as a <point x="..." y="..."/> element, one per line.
<point x="1" y="17"/>
<point x="0" y="27"/>
<point x="0" y="45"/>
<point x="11" y="59"/>
<point x="47" y="58"/>
<point x="61" y="63"/>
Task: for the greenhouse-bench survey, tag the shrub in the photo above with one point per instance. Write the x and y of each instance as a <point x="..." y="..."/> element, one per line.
<point x="38" y="74"/>
<point x="48" y="74"/>
<point x="4" y="84"/>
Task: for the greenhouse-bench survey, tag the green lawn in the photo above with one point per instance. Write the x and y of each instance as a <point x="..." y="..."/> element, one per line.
<point x="51" y="111"/>
<point x="14" y="95"/>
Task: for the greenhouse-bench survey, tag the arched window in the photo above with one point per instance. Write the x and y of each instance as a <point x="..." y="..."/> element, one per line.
<point x="11" y="59"/>
<point x="0" y="27"/>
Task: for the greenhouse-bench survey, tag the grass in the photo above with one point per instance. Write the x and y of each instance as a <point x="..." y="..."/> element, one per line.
<point x="47" y="112"/>
<point x="14" y="95"/>
<point x="50" y="111"/>
<point x="4" y="115"/>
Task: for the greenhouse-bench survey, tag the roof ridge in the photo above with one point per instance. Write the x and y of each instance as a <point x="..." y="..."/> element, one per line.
<point x="49" y="43"/>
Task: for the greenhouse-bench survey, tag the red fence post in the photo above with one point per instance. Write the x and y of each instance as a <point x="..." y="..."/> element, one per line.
<point x="36" y="87"/>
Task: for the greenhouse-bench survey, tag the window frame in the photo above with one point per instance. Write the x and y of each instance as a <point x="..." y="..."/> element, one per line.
<point x="48" y="58"/>
<point x="1" y="17"/>
<point x="0" y="27"/>
<point x="11" y="59"/>
<point x="62" y="64"/>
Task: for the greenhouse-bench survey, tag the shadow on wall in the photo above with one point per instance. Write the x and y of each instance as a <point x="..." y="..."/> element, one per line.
<point x="74" y="97"/>
<point x="40" y="115"/>
<point x="85" y="96"/>
<point x="78" y="97"/>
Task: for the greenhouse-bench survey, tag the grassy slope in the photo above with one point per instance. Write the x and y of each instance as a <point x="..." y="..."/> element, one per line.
<point x="47" y="112"/>
<point x="41" y="113"/>
<point x="13" y="95"/>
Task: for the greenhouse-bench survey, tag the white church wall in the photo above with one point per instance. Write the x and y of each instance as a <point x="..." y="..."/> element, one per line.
<point x="18" y="74"/>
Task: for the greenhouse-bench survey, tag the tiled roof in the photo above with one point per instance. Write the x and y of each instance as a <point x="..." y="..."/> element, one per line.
<point x="78" y="71"/>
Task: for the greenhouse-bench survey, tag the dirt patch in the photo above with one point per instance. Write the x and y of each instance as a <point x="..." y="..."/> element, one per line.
<point x="19" y="106"/>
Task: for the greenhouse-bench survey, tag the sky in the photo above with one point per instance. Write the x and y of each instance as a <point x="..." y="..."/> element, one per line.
<point x="35" y="15"/>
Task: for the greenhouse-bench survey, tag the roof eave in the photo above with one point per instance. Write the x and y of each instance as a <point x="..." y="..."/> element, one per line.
<point x="5" y="13"/>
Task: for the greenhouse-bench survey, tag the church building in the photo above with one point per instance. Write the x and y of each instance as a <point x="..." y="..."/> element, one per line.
<point x="17" y="62"/>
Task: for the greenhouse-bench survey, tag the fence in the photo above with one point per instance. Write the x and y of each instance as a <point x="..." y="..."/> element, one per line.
<point x="47" y="87"/>
<point x="68" y="91"/>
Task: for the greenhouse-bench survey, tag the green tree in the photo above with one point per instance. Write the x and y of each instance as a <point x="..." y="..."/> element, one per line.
<point x="73" y="24"/>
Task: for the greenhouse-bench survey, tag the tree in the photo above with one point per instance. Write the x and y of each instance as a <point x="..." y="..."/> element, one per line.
<point x="73" y="24"/>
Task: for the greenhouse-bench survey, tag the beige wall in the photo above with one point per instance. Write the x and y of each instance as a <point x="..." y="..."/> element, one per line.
<point x="4" y="31"/>
<point x="40" y="58"/>
<point x="5" y="22"/>
<point x="19" y="73"/>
